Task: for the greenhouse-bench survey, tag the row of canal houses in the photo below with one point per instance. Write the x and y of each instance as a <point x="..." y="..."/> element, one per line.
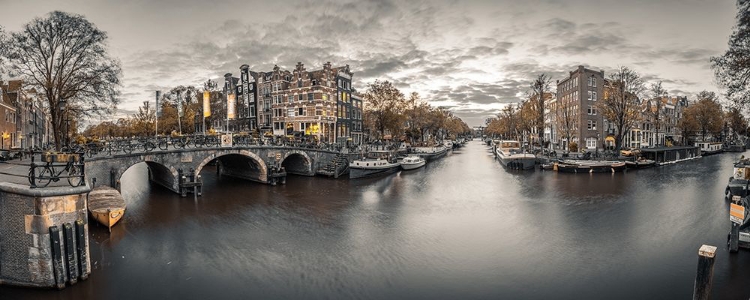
<point x="577" y="97"/>
<point x="319" y="102"/>
<point x="23" y="121"/>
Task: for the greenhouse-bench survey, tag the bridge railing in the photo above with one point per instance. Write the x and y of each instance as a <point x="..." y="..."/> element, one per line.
<point x="149" y="144"/>
<point x="40" y="169"/>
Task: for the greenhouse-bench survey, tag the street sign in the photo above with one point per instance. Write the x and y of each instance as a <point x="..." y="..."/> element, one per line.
<point x="226" y="140"/>
<point x="736" y="213"/>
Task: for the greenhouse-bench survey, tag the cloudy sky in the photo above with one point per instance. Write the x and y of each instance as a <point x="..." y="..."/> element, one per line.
<point x="473" y="56"/>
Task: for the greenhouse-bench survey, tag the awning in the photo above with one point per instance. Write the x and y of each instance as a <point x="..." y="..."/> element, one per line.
<point x="609" y="139"/>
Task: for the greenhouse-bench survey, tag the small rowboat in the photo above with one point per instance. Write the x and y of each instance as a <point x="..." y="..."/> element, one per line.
<point x="106" y="205"/>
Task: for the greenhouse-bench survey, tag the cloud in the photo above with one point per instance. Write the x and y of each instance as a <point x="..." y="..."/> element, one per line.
<point x="473" y="58"/>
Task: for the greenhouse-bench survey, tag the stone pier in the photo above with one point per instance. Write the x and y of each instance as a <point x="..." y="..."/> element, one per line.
<point x="27" y="216"/>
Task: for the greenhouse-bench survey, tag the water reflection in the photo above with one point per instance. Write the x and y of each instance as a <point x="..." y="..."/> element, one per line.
<point x="463" y="227"/>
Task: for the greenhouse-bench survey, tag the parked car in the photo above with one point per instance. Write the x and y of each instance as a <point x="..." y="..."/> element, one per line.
<point x="4" y="155"/>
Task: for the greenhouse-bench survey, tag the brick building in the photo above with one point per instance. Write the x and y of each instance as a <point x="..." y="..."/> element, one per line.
<point x="577" y="96"/>
<point x="7" y="116"/>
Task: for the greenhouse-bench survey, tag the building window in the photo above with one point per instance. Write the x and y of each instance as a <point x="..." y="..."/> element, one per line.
<point x="290" y="98"/>
<point x="299" y="97"/>
<point x="290" y="112"/>
<point x="591" y="125"/>
<point x="591" y="143"/>
<point x="593" y="82"/>
<point x="301" y="111"/>
<point x="590" y="96"/>
<point x="594" y="96"/>
<point x="592" y="110"/>
<point x="309" y="96"/>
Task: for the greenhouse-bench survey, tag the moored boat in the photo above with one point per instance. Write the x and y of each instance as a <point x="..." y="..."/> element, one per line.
<point x="429" y="153"/>
<point x="376" y="164"/>
<point x="710" y="148"/>
<point x="106" y="205"/>
<point x="640" y="164"/>
<point x="739" y="181"/>
<point x="512" y="157"/>
<point x="412" y="162"/>
<point x="583" y="166"/>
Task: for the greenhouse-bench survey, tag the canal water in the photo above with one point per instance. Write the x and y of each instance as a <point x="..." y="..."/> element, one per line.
<point x="463" y="227"/>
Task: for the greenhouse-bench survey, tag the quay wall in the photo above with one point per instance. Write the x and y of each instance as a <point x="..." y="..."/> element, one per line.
<point x="26" y="247"/>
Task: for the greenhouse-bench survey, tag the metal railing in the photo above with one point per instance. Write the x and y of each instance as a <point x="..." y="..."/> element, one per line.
<point x="44" y="168"/>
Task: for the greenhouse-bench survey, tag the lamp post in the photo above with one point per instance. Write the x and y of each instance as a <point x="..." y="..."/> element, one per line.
<point x="62" y="106"/>
<point x="597" y="144"/>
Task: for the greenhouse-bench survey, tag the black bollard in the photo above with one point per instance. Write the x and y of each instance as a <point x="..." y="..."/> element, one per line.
<point x="57" y="260"/>
<point x="704" y="277"/>
<point x="70" y="253"/>
<point x="83" y="260"/>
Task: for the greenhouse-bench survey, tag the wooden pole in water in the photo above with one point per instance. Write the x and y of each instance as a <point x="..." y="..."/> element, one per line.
<point x="703" y="279"/>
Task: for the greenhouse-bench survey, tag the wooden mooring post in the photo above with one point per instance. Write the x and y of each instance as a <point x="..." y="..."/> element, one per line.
<point x="703" y="279"/>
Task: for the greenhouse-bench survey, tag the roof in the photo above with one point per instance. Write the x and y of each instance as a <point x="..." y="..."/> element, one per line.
<point x="660" y="149"/>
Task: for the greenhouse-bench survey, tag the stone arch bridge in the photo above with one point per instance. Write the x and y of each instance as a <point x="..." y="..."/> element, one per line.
<point x="256" y="163"/>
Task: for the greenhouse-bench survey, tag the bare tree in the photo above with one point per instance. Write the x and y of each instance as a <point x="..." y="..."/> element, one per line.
<point x="654" y="112"/>
<point x="539" y="96"/>
<point x="621" y="104"/>
<point x="64" y="57"/>
<point x="733" y="68"/>
<point x="566" y="120"/>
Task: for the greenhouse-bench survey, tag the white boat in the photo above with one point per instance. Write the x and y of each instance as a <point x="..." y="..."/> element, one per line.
<point x="512" y="157"/>
<point x="412" y="162"/>
<point x="378" y="163"/>
<point x="710" y="148"/>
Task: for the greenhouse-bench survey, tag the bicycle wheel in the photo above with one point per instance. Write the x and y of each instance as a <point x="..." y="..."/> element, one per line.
<point x="74" y="175"/>
<point x="41" y="178"/>
<point x="148" y="146"/>
<point x="163" y="145"/>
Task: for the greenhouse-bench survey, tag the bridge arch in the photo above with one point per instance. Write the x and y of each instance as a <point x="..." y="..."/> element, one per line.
<point x="157" y="172"/>
<point x="298" y="162"/>
<point x="254" y="158"/>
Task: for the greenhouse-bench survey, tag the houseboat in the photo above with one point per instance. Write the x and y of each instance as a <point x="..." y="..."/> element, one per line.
<point x="512" y="157"/>
<point x="710" y="148"/>
<point x="429" y="153"/>
<point x="376" y="163"/>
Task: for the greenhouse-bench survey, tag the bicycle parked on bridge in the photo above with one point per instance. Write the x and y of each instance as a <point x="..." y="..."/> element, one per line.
<point x="40" y="175"/>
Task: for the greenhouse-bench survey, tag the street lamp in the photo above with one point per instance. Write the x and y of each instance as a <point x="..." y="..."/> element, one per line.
<point x="5" y="136"/>
<point x="62" y="106"/>
<point x="597" y="144"/>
